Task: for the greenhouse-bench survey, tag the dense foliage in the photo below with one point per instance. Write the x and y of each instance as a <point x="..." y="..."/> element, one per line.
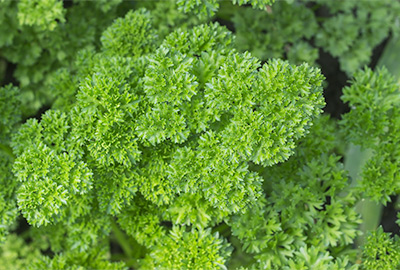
<point x="190" y="134"/>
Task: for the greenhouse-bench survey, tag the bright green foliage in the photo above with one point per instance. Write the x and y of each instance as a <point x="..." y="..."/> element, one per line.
<point x="202" y="7"/>
<point x="129" y="36"/>
<point x="260" y="4"/>
<point x="176" y="125"/>
<point x="42" y="36"/>
<point x="142" y="221"/>
<point x="374" y="123"/>
<point x="194" y="249"/>
<point x="169" y="140"/>
<point x="106" y="105"/>
<point x="78" y="234"/>
<point x="372" y="96"/>
<point x="381" y="251"/>
<point x="312" y="258"/>
<point x="50" y="171"/>
<point x="56" y="186"/>
<point x="317" y="223"/>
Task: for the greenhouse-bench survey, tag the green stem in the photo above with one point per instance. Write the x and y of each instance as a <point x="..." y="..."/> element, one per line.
<point x="390" y="57"/>
<point x="131" y="248"/>
<point x="223" y="229"/>
<point x="370" y="211"/>
<point x="122" y="239"/>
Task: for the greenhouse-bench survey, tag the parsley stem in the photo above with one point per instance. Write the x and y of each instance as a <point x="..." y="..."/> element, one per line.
<point x="122" y="239"/>
<point x="370" y="211"/>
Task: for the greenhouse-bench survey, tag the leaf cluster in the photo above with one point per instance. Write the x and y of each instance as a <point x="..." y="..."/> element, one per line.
<point x="190" y="146"/>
